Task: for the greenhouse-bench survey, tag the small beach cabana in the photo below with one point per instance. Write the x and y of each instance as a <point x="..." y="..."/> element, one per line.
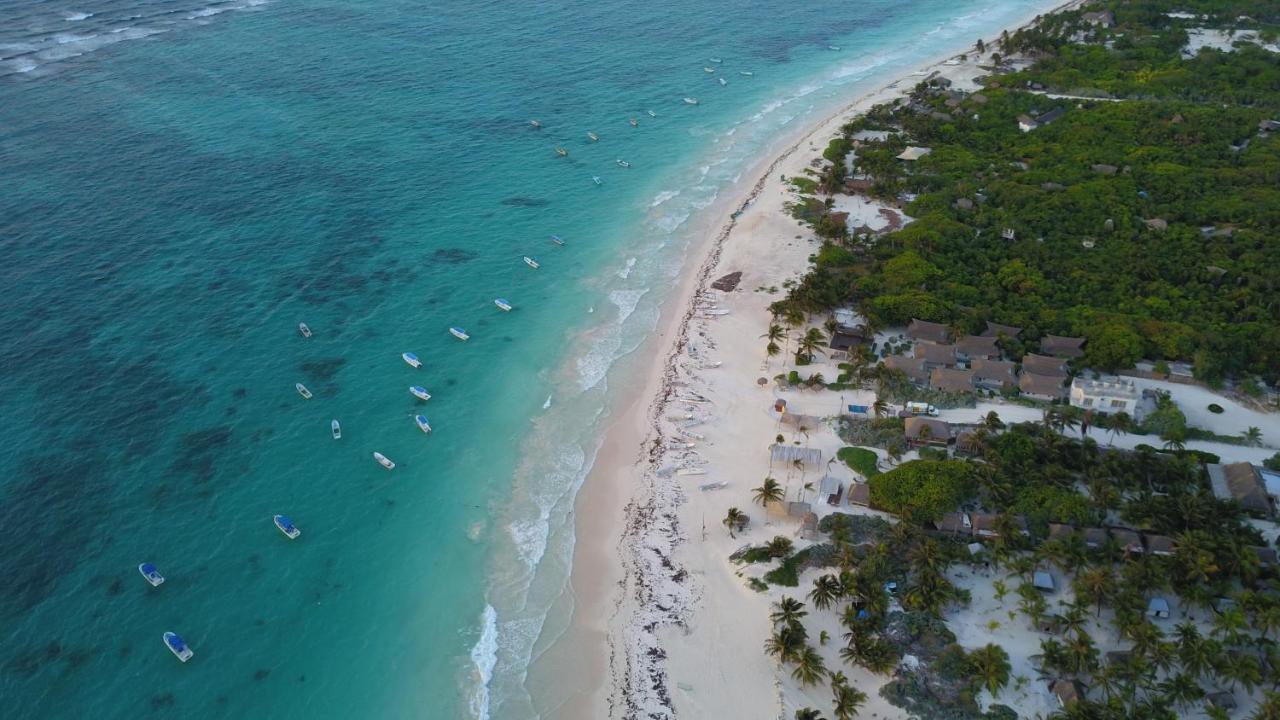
<point x="789" y="454"/>
<point x="1158" y="608"/>
<point x="1065" y="347"/>
<point x="1043" y="581"/>
<point x="860" y="494"/>
<point x="995" y="330"/>
<point x="832" y="489"/>
<point x="914" y="153"/>
<point x="1068" y="692"/>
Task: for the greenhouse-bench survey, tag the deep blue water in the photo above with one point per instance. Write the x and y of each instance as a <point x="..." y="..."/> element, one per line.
<point x="184" y="182"/>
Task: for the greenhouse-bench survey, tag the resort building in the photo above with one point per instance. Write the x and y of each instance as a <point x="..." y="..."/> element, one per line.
<point x="972" y="347"/>
<point x="1043" y="365"/>
<point x="1112" y="395"/>
<point x="993" y="374"/>
<point x="926" y="331"/>
<point x="926" y="431"/>
<point x="1042" y="387"/>
<point x="913" y="368"/>
<point x="1243" y="483"/>
<point x="995" y="330"/>
<point x="843" y="342"/>
<point x="951" y="380"/>
<point x="1065" y="347"/>
<point x="934" y="355"/>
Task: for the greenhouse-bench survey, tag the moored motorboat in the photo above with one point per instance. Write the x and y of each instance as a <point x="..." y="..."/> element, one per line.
<point x="594" y="137"/>
<point x="634" y="122"/>
<point x="302" y="390"/>
<point x="557" y="240"/>
<point x="723" y="82"/>
<point x="384" y="461"/>
<point x="306" y="331"/>
<point x="336" y="428"/>
<point x="746" y="73"/>
<point x="596" y="179"/>
<point x="624" y="163"/>
<point x="422" y="423"/>
<point x="531" y="262"/>
<point x="708" y="69"/>
<point x="715" y="60"/>
<point x="152" y="574"/>
<point x="411" y="359"/>
<point x="833" y="47"/>
<point x="419" y="392"/>
<point x="535" y="124"/>
<point x="690" y="101"/>
<point x="459" y="333"/>
<point x="502" y="304"/>
<point x="652" y="113"/>
<point x="177" y="646"/>
<point x="562" y="152"/>
<point x="286" y="526"/>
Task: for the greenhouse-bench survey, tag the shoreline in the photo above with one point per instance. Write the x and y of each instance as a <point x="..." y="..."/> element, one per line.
<point x="628" y="522"/>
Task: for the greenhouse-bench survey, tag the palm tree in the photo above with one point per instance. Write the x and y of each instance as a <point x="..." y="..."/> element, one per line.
<point x="810" y="668"/>
<point x="991" y="665"/>
<point x="770" y="491"/>
<point x="847" y="701"/>
<point x="809" y="343"/>
<point x="837" y="679"/>
<point x="826" y="590"/>
<point x="1252" y="436"/>
<point x="1120" y="423"/>
<point x="1269" y="709"/>
<point x="808" y="714"/>
<point x="735" y="519"/>
<point x="1095" y="584"/>
<point x="993" y="422"/>
<point x="785" y="643"/>
<point x="788" y="611"/>
<point x="1181" y="689"/>
<point x="880" y="407"/>
<point x="774" y="334"/>
<point x="1176" y="442"/>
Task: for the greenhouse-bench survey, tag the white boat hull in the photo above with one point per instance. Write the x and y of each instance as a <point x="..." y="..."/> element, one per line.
<point x="384" y="461"/>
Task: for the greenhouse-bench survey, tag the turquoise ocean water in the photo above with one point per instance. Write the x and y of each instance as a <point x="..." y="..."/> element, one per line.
<point x="184" y="181"/>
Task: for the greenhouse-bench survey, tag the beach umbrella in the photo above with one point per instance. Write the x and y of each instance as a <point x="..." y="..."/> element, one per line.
<point x="762" y="381"/>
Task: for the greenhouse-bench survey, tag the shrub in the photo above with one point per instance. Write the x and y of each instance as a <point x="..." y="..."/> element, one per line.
<point x="1272" y="463"/>
<point x="860" y="460"/>
<point x="1215" y="408"/>
<point x="924" y="489"/>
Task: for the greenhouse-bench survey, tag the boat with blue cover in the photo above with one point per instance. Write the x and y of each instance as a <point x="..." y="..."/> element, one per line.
<point x="531" y="262"/>
<point x="423" y="425"/>
<point x="178" y="646"/>
<point x="152" y="574"/>
<point x="286" y="526"/>
<point x="419" y="392"/>
<point x="411" y="359"/>
<point x="502" y="304"/>
<point x="459" y="333"/>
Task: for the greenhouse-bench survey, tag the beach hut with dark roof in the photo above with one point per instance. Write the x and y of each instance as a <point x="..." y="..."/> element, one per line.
<point x="938" y="432"/>
<point x="832" y="488"/>
<point x="1043" y="581"/>
<point x="1094" y="538"/>
<point x="971" y="347"/>
<point x="993" y="374"/>
<point x="934" y="355"/>
<point x="1129" y="541"/>
<point x="860" y="494"/>
<point x="1243" y="483"/>
<point x="1161" y="545"/>
<point x="995" y="330"/>
<point x="954" y="523"/>
<point x="1158" y="607"/>
<point x="928" y="331"/>
<point x="1043" y="365"/>
<point x="1068" y="692"/>
<point x="913" y="368"/>
<point x="1065" y="347"/>
<point x="1221" y="699"/>
<point x="951" y="380"/>
<point x="1266" y="556"/>
<point x="1042" y="387"/>
<point x="844" y="341"/>
<point x="1058" y="531"/>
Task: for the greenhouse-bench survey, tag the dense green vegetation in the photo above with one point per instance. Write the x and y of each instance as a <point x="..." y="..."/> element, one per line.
<point x="923" y="489"/>
<point x="1144" y="224"/>
<point x="860" y="460"/>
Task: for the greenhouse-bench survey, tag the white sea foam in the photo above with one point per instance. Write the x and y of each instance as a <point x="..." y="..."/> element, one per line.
<point x="625" y="272"/>
<point x="484" y="656"/>
<point x="663" y="197"/>
<point x="76" y="16"/>
<point x="626" y="301"/>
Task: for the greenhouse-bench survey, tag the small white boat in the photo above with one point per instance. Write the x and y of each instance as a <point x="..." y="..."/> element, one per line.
<point x="652" y="113"/>
<point x="459" y="333"/>
<point x="594" y="137"/>
<point x="502" y="304"/>
<point x="562" y="152"/>
<point x="833" y="47"/>
<point x="746" y="73"/>
<point x="596" y="179"/>
<point x="531" y="262"/>
<point x="152" y="574"/>
<point x="691" y="471"/>
<point x="177" y="646"/>
<point x="556" y="239"/>
<point x="723" y="82"/>
<point x="422" y="423"/>
<point x="384" y="461"/>
<point x="411" y="359"/>
<point x="286" y="526"/>
<point x="306" y="331"/>
<point x="419" y="392"/>
<point x="708" y="69"/>
<point x="715" y="60"/>
<point x="634" y="122"/>
<point x="535" y="124"/>
<point x="302" y="390"/>
<point x="690" y="101"/>
<point x="336" y="428"/>
<point x="713" y="486"/>
<point x="624" y="163"/>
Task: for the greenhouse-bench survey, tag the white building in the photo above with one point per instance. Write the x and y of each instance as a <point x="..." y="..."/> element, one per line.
<point x="1109" y="396"/>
